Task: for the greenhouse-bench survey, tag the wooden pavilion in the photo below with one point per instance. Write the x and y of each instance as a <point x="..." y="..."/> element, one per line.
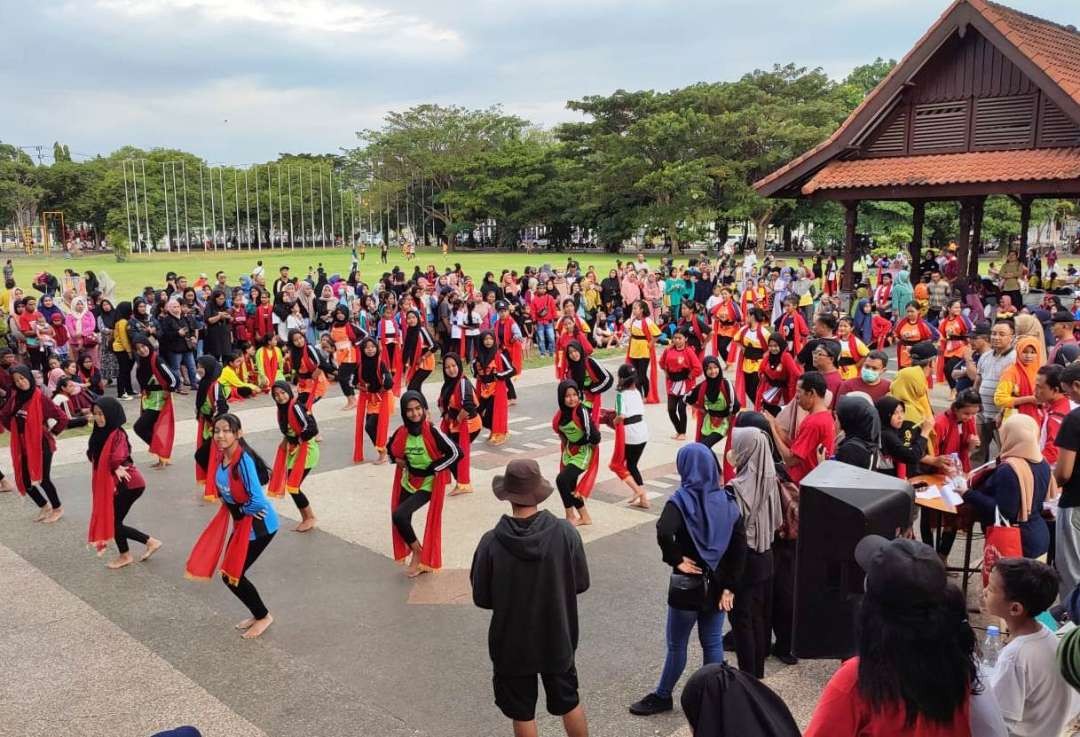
<point x="986" y="103"/>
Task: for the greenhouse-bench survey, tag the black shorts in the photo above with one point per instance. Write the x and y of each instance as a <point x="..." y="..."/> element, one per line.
<point x="516" y="695"/>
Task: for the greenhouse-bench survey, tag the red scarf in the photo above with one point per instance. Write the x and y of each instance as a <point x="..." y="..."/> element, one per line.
<point x="500" y="407"/>
<point x="588" y="479"/>
<point x="788" y="370"/>
<point x="735" y="358"/>
<point x="164" y="431"/>
<point x="382" y="428"/>
<point x="653" y="397"/>
<point x="103" y="490"/>
<point x="943" y="329"/>
<point x="464" y="472"/>
<point x="26" y="446"/>
<point x="264" y="321"/>
<point x="795" y="331"/>
<point x="723" y="311"/>
<point x="384" y="354"/>
<point x="504" y="333"/>
<point x="202" y="477"/>
<point x="207" y="553"/>
<point x="270" y="366"/>
<point x="284" y="480"/>
<point x="431" y="557"/>
<point x="618" y="455"/>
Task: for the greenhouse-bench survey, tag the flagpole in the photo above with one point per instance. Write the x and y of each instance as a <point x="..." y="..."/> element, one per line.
<point x="187" y="228"/>
<point x="165" y="189"/>
<point x="127" y="206"/>
<point x="213" y="211"/>
<point x="247" y="206"/>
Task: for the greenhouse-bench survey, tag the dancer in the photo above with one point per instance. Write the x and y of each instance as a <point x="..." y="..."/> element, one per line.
<point x="492" y="368"/>
<point x="156" y="425"/>
<point x="116" y="485"/>
<point x="423" y="455"/>
<point x="780" y="374"/>
<point x="375" y="384"/>
<point x="26" y="415"/>
<point x="792" y="326"/>
<point x="211" y="400"/>
<point x="955" y="330"/>
<point x="309" y="369"/>
<point x="237" y="478"/>
<point x="569" y="328"/>
<point x="682" y="369"/>
<point x="726" y="319"/>
<point x="697" y="331"/>
<point x="641" y="350"/>
<point x="910" y="331"/>
<point x="297" y="454"/>
<point x="418" y="358"/>
<point x="853" y="351"/>
<point x="631" y="435"/>
<point x="715" y="402"/>
<point x="269" y="361"/>
<point x="460" y="410"/>
<point x="390" y="345"/>
<point x="747" y="350"/>
<point x="580" y="441"/>
<point x="591" y="378"/>
<point x="345" y="335"/>
<point x="508" y="334"/>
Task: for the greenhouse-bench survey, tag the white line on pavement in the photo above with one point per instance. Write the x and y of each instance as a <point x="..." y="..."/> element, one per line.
<point x="673" y="477"/>
<point x="539" y="426"/>
<point x="518" y="419"/>
<point x="653" y="495"/>
<point x="658" y="484"/>
<point x="476" y="452"/>
<point x="514" y="451"/>
<point x="536" y="446"/>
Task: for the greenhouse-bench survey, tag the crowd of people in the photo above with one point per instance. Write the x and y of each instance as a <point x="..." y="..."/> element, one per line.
<point x="806" y="381"/>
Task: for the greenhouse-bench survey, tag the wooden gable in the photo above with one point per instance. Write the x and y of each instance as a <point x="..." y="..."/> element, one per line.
<point x="969" y="97"/>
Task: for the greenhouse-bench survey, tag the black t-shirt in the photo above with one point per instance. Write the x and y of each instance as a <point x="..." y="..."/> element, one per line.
<point x="1068" y="438"/>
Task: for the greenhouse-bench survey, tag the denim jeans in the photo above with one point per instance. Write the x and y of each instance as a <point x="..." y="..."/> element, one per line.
<point x="545" y="338"/>
<point x="679" y="623"/>
<point x="188" y="359"/>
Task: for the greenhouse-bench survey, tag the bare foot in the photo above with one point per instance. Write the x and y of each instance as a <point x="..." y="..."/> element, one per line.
<point x="382" y="460"/>
<point x="459" y="489"/>
<point x="6" y="486"/>
<point x="678" y="436"/>
<point x="43" y="512"/>
<point x="245" y="623"/>
<point x="585" y="519"/>
<point x="157" y="466"/>
<point x="54" y="516"/>
<point x="640" y="502"/>
<point x="414" y="571"/>
<point x="124" y="559"/>
<point x="305" y="525"/>
<point x="258" y="627"/>
<point x="152" y="546"/>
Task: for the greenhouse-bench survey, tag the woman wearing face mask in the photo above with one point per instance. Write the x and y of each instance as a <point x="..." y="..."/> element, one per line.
<point x="460" y="408"/>
<point x="116" y="485"/>
<point x="1015" y="393"/>
<point x="211" y="400"/>
<point x="374" y="382"/>
<point x="492" y="368"/>
<point x="580" y="440"/>
<point x="780" y="374"/>
<point x="422" y="455"/>
<point x="33" y="422"/>
<point x="156" y="425"/>
<point x="297" y="454"/>
<point x="237" y="481"/>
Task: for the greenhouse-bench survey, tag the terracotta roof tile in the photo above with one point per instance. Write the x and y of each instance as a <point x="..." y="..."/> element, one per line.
<point x="964" y="168"/>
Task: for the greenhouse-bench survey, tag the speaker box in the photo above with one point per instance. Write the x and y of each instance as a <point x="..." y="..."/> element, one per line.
<point x="838" y="506"/>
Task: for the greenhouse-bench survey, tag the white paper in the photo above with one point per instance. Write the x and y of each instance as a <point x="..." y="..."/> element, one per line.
<point x="930" y="492"/>
<point x="948" y="493"/>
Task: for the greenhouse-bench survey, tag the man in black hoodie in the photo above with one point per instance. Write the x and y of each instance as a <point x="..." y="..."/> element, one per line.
<point x="529" y="571"/>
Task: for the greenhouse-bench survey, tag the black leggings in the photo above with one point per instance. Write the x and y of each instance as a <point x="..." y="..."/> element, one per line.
<point x="950" y="366"/>
<point x="245" y="590"/>
<point x="751" y="383"/>
<point x="39" y="359"/>
<point x="417" y="381"/>
<point x="566" y="482"/>
<point x="144" y="426"/>
<point x="511" y="392"/>
<point x="633" y="455"/>
<point x="408" y="503"/>
<point x="711" y="440"/>
<point x="121" y="506"/>
<point x="641" y="368"/>
<point x="346" y="376"/>
<point x="371" y="426"/>
<point x="723" y="342"/>
<point x="487" y="411"/>
<point x="46" y="483"/>
<point x="676" y="412"/>
<point x="123" y="373"/>
<point x="299" y="498"/>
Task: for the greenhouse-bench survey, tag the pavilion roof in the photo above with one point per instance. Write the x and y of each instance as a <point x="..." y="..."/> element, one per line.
<point x="1049" y="51"/>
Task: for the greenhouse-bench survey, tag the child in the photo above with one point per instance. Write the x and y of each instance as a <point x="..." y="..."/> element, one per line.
<point x="60" y="335"/>
<point x="269" y="362"/>
<point x="630" y="414"/>
<point x="1034" y="698"/>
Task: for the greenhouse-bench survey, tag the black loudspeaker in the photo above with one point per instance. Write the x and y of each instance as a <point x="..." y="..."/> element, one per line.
<point x="838" y="506"/>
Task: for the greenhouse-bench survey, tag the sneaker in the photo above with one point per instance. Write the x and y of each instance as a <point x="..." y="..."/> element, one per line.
<point x="651" y="704"/>
<point x="125" y="397"/>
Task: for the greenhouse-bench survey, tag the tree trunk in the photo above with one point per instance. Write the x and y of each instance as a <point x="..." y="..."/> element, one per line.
<point x="787" y="237"/>
<point x="761" y="225"/>
<point x="673" y="235"/>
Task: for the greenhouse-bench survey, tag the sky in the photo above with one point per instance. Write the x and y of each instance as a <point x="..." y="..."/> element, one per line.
<point x="240" y="81"/>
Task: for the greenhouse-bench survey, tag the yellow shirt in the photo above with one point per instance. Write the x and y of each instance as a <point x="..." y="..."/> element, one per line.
<point x="120" y="337"/>
<point x="851" y="371"/>
<point x="749" y="339"/>
<point x="230" y="379"/>
<point x="639" y="345"/>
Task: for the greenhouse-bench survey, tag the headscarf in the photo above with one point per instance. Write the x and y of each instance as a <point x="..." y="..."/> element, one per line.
<point x="305" y="295"/>
<point x="910" y="388"/>
<point x="712" y="386"/>
<point x="902" y="292"/>
<point x="211" y="371"/>
<point x="23" y="395"/>
<point x="575" y="369"/>
<point x="708" y="511"/>
<point x="886" y="407"/>
<point x="863" y="321"/>
<point x="858" y="418"/>
<point x="283" y="409"/>
<point x="108" y="319"/>
<point x="54" y="378"/>
<point x="450" y="384"/>
<point x="370" y="375"/>
<point x="123" y="311"/>
<point x="144" y="367"/>
<point x="757" y="490"/>
<point x="722" y="701"/>
<point x="485" y="355"/>
<point x="1030" y="370"/>
<point x="413" y="428"/>
<point x="564" y="386"/>
<point x="114" y="420"/>
<point x="47" y="311"/>
<point x="1019" y="445"/>
<point x="1028" y="326"/>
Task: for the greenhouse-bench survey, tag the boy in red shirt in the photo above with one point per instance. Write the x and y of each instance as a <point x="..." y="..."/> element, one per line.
<point x="815" y="439"/>
<point x="1053" y="406"/>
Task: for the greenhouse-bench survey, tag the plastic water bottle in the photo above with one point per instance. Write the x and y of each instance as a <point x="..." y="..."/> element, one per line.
<point x="991" y="647"/>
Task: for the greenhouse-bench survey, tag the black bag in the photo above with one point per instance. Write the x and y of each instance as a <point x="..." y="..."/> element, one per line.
<point x="689" y="592"/>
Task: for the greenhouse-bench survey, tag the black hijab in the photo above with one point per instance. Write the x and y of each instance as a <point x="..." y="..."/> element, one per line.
<point x="413" y="428"/>
<point x="370" y="373"/>
<point x="296" y="355"/>
<point x="712" y="386"/>
<point x="485" y="355"/>
<point x="211" y="371"/>
<point x="774" y="360"/>
<point x="859" y="419"/>
<point x="566" y="414"/>
<point x="721" y="701"/>
<point x="343" y="319"/>
<point x="114" y="420"/>
<point x="144" y="367"/>
<point x="282" y="409"/>
<point x="412" y="334"/>
<point x="108" y="319"/>
<point x="22" y="396"/>
<point x="123" y="311"/>
<point x="575" y="369"/>
<point x="449" y="385"/>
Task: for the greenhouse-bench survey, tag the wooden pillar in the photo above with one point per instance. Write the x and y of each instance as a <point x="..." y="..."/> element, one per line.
<point x="1025" y="226"/>
<point x="963" y="237"/>
<point x="915" y="247"/>
<point x="851" y="222"/>
<point x="976" y="234"/>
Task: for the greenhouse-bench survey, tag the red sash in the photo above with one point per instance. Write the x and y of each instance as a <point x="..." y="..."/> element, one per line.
<point x="618" y="455"/>
<point x="207" y="553"/>
<point x="735" y="358"/>
<point x="284" y="480"/>
<point x="588" y="479"/>
<point x="500" y="409"/>
<point x="384" y="355"/>
<point x="164" y="431"/>
<point x="103" y="490"/>
<point x="431" y="556"/>
<point x="26" y="446"/>
<point x="381" y="429"/>
<point x="653" y="397"/>
<point x="270" y="366"/>
<point x="505" y="334"/>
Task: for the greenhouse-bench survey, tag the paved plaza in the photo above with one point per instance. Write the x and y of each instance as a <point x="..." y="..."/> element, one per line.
<point x="356" y="648"/>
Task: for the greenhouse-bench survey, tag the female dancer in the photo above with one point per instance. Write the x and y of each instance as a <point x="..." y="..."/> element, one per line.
<point x="726" y="319"/>
<point x="156" y="425"/>
<point x="116" y="485"/>
<point x="492" y="368"/>
<point x="423" y="455"/>
<point x="460" y="418"/>
<point x="780" y="374"/>
<point x="237" y="479"/>
<point x="641" y="351"/>
<point x="418" y="359"/>
<point x="910" y="330"/>
<point x="747" y="350"/>
<point x="374" y="382"/>
<point x="852" y="350"/>
<point x="26" y="415"/>
<point x="955" y="330"/>
<point x="682" y="369"/>
<point x="345" y="335"/>
<point x="269" y="362"/>
<point x="696" y="330"/>
<point x="211" y="400"/>
<point x="309" y="369"/>
<point x="631" y="435"/>
<point x="792" y="326"/>
<point x="591" y="378"/>
<point x="297" y="453"/>
<point x="580" y="441"/>
<point x="509" y="337"/>
<point x="714" y="401"/>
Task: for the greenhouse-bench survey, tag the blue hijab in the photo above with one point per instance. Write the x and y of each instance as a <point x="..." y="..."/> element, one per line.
<point x="864" y="324"/>
<point x="710" y="513"/>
